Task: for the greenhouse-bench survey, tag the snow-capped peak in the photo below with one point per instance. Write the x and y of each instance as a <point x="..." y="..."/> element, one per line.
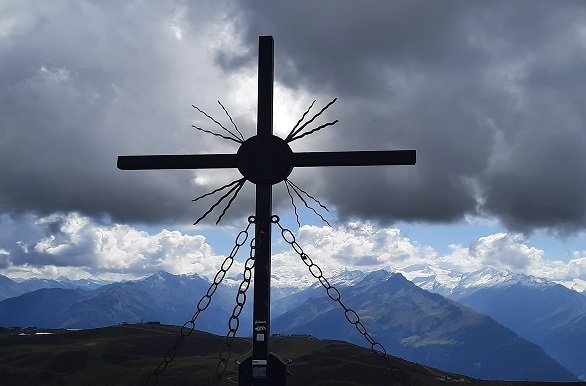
<point x="454" y="284"/>
<point x="346" y="277"/>
<point x="377" y="276"/>
<point x="491" y="277"/>
<point x="432" y="278"/>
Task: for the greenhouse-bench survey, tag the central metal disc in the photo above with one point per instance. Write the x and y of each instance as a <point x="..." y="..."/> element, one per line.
<point x="265" y="159"/>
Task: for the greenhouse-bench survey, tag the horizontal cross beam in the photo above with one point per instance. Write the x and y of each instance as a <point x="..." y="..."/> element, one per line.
<point x="354" y="158"/>
<point x="179" y="161"/>
<point x="307" y="159"/>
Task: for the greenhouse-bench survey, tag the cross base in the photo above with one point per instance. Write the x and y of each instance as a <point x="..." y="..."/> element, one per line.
<point x="273" y="373"/>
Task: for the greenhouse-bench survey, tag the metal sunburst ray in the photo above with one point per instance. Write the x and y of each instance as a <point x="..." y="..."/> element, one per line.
<point x="295" y="133"/>
<point x="300" y="193"/>
<point x="233" y="137"/>
<point x="235" y="187"/>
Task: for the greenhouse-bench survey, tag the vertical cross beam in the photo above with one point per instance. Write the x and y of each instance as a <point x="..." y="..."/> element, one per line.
<point x="262" y="268"/>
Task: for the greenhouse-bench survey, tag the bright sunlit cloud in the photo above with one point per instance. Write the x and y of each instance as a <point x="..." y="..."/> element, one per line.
<point x="75" y="245"/>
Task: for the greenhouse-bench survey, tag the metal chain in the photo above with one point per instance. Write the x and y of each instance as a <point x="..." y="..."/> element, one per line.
<point x="189" y="326"/>
<point x="333" y="293"/>
<point x="234" y="321"/>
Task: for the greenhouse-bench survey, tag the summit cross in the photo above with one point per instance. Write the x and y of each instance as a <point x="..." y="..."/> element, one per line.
<point x="265" y="160"/>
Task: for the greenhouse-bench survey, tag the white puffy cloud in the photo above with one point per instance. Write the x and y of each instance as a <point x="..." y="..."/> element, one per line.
<point x="75" y="245"/>
<point x="500" y="250"/>
<point x="78" y="246"/>
<point x="354" y="245"/>
<point x="512" y="251"/>
<point x="362" y="246"/>
<point x="576" y="267"/>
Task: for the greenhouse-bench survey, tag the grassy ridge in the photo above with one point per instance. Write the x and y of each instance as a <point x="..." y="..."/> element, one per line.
<point x="126" y="355"/>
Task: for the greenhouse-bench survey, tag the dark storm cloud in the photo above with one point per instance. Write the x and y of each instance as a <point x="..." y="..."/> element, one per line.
<point x="37" y="242"/>
<point x="540" y="181"/>
<point x="489" y="93"/>
<point x="83" y="82"/>
<point x="345" y="45"/>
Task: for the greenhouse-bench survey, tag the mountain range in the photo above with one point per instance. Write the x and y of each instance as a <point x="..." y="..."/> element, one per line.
<point x="487" y="324"/>
<point x="11" y="288"/>
<point x="161" y="297"/>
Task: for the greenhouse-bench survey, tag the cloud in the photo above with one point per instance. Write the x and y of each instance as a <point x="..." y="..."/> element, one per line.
<point x="76" y="245"/>
<point x="488" y="94"/>
<point x="362" y="246"/>
<point x="4" y="262"/>
<point x="576" y="267"/>
<point x="355" y="245"/>
<point x="80" y="85"/>
<point x="501" y="250"/>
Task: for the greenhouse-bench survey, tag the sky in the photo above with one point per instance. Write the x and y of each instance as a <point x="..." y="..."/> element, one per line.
<point x="490" y="94"/>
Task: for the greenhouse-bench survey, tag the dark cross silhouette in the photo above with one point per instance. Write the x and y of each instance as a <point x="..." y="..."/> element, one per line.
<point x="264" y="160"/>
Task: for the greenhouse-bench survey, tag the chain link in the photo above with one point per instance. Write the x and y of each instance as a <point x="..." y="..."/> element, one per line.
<point x="234" y="321"/>
<point x="189" y="326"/>
<point x="333" y="293"/>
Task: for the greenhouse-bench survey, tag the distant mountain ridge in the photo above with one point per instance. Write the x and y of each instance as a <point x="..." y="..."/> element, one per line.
<point x="455" y="285"/>
<point x="161" y="297"/>
<point x="10" y="288"/>
<point x="171" y="299"/>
